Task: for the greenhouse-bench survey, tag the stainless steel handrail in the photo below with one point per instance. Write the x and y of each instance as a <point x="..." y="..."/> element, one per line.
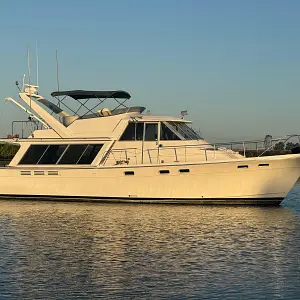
<point x="205" y="147"/>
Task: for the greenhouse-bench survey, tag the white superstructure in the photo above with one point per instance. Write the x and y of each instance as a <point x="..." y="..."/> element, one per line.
<point x="125" y="155"/>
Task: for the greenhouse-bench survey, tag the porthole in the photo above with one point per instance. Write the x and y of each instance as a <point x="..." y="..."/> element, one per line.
<point x="129" y="173"/>
<point x="164" y="171"/>
<point x="243" y="167"/>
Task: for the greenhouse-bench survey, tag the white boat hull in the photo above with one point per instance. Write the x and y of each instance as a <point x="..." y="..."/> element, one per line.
<point x="265" y="180"/>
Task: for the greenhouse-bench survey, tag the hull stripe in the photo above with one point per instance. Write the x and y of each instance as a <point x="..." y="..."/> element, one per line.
<point x="229" y="201"/>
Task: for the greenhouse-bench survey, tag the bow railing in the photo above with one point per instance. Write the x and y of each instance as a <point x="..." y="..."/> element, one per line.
<point x="209" y="152"/>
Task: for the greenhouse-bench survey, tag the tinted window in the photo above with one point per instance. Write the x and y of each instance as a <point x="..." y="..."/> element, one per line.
<point x="133" y="132"/>
<point x="190" y="131"/>
<point x="129" y="133"/>
<point x="167" y="134"/>
<point x="139" y="131"/>
<point x="89" y="154"/>
<point x="73" y="154"/>
<point x="33" y="154"/>
<point x="52" y="154"/>
<point x="187" y="132"/>
<point x="61" y="154"/>
<point x="151" y="132"/>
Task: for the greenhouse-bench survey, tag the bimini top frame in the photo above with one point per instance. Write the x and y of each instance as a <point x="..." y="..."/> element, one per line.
<point x="81" y="94"/>
<point x="119" y="96"/>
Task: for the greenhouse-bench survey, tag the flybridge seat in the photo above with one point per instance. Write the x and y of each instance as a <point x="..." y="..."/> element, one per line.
<point x="119" y="111"/>
<point x="67" y="120"/>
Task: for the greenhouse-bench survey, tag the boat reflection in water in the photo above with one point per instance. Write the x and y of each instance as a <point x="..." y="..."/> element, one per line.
<point x="54" y="250"/>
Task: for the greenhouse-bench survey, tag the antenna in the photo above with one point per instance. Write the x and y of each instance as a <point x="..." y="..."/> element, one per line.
<point x="57" y="78"/>
<point x="23" y="81"/>
<point x="37" y="63"/>
<point x="28" y="61"/>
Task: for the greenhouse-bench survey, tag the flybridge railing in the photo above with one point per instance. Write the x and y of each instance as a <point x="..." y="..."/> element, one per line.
<point x="23" y="127"/>
<point x="186" y="153"/>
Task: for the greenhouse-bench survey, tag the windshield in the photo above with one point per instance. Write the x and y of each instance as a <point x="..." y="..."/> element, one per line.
<point x="184" y="130"/>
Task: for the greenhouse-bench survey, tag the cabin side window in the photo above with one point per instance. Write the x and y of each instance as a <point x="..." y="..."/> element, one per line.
<point x="167" y="134"/>
<point x="52" y="154"/>
<point x="82" y="154"/>
<point x="151" y="131"/>
<point x="133" y="132"/>
<point x="33" y="154"/>
<point x="89" y="154"/>
<point x="72" y="155"/>
<point x="129" y="133"/>
<point x="184" y="130"/>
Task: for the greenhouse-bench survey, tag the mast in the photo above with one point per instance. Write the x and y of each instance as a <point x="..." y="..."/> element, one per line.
<point x="37" y="64"/>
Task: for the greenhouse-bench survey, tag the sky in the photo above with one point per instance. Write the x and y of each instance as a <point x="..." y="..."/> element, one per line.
<point x="233" y="64"/>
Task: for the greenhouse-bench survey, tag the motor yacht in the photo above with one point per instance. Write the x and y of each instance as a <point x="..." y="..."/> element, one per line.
<point x="95" y="153"/>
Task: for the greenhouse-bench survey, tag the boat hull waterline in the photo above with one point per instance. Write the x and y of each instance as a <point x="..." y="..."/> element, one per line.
<point x="257" y="181"/>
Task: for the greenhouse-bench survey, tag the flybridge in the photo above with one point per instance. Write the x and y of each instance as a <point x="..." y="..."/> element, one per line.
<point x="88" y="102"/>
<point x="71" y="106"/>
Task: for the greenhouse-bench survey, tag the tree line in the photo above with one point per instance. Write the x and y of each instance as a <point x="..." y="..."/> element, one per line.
<point x="288" y="146"/>
<point x="8" y="151"/>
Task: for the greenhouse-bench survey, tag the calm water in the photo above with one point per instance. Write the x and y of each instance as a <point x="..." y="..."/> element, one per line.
<point x="89" y="251"/>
